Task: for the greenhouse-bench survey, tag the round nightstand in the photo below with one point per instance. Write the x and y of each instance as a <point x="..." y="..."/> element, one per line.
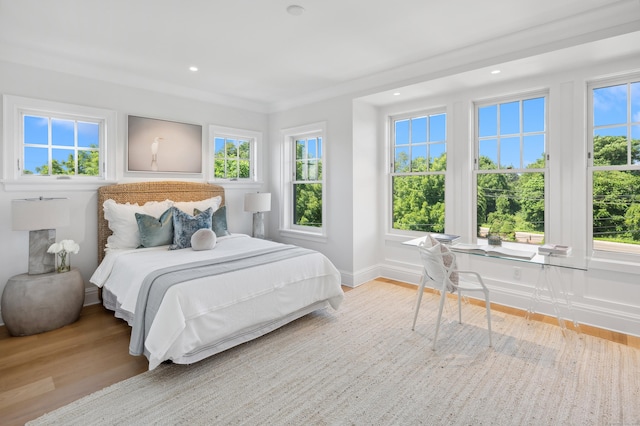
<point x="34" y="304"/>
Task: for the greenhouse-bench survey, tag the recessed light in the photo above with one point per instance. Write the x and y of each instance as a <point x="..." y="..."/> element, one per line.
<point x="495" y="72"/>
<point x="396" y="94"/>
<point x="193" y="68"/>
<point x="295" y="10"/>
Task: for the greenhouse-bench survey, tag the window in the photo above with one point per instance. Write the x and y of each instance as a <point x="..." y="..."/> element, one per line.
<point x="57" y="146"/>
<point x="614" y="156"/>
<point x="418" y="171"/>
<point x="510" y="166"/>
<point x="307" y="182"/>
<point x="234" y="154"/>
<point x="54" y="141"/>
<point x="304" y="206"/>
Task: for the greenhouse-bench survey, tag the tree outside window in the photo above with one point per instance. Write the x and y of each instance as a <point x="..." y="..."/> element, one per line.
<point x="615" y="166"/>
<point x="307" y="184"/>
<point x="418" y="172"/>
<point x="232" y="158"/>
<point x="60" y="146"/>
<point x="511" y="169"/>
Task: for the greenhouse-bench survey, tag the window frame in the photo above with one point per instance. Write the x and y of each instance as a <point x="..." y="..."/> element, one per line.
<point x="605" y="255"/>
<point x="392" y="119"/>
<point x="255" y="141"/>
<point x="287" y="225"/>
<point x="16" y="107"/>
<point x="497" y="101"/>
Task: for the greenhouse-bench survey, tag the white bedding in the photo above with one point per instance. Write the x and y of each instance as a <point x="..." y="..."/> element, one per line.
<point x="203" y="316"/>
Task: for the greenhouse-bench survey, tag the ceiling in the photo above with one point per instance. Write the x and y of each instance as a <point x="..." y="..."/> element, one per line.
<point x="254" y="54"/>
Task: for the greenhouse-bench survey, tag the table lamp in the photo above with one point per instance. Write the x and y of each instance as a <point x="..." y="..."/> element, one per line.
<point x="258" y="203"/>
<point x="40" y="216"/>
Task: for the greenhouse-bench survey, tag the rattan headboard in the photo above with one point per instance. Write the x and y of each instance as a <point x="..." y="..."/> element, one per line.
<point x="141" y="192"/>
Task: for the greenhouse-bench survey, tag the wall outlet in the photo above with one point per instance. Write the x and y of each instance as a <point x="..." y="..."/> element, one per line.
<point x="517" y="273"/>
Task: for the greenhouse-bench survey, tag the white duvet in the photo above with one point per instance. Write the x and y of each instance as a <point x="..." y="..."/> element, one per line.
<point x="203" y="316"/>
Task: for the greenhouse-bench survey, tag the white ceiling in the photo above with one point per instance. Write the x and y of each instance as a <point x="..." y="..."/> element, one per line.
<point x="253" y="54"/>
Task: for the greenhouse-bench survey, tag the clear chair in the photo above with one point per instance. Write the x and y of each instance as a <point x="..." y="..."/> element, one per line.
<point x="440" y="268"/>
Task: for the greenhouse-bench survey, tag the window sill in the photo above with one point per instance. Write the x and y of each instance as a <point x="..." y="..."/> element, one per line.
<point x="237" y="184"/>
<point x="302" y="235"/>
<point x="610" y="265"/>
<point x="55" y="185"/>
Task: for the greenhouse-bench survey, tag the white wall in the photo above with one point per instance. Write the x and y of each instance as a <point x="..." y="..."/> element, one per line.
<point x="40" y="84"/>
<point x="608" y="294"/>
<point x="369" y="172"/>
<point x="338" y="167"/>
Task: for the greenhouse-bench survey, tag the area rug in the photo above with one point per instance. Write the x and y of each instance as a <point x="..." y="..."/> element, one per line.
<point x="363" y="365"/>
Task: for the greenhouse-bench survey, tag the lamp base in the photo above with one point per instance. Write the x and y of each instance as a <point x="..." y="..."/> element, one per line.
<point x="41" y="262"/>
<point x="258" y="225"/>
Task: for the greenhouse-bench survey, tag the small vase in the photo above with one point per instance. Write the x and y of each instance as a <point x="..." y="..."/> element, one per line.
<point x="494" y="240"/>
<point x="64" y="262"/>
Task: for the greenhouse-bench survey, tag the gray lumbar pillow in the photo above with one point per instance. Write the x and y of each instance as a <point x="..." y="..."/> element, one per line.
<point x="203" y="239"/>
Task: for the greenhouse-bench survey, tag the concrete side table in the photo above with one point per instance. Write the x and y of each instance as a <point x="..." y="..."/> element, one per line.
<point x="34" y="304"/>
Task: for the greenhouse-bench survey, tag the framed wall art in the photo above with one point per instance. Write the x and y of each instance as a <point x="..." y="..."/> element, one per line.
<point x="161" y="146"/>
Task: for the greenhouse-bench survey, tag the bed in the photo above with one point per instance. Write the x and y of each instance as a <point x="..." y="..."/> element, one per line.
<point x="184" y="304"/>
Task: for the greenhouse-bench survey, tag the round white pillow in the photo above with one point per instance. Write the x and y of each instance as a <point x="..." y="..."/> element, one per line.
<point x="203" y="239"/>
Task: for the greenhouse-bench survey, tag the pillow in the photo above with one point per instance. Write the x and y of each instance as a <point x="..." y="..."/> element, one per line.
<point x="203" y="239"/>
<point x="155" y="231"/>
<point x="122" y="221"/>
<point x="446" y="258"/>
<point x="219" y="220"/>
<point x="185" y="225"/>
<point x="202" y="205"/>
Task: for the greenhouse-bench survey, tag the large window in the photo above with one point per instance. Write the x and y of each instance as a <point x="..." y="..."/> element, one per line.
<point x="510" y="163"/>
<point x="304" y="200"/>
<point x="418" y="171"/>
<point x="55" y="142"/>
<point x="615" y="165"/>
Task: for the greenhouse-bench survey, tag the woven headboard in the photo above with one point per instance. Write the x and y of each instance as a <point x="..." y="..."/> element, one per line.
<point x="141" y="192"/>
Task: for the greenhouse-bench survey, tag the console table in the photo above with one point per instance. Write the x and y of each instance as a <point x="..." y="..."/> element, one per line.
<point x="548" y="279"/>
<point x="34" y="304"/>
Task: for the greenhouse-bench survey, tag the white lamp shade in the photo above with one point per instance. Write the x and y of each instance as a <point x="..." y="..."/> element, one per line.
<point x="39" y="213"/>
<point x="257" y="202"/>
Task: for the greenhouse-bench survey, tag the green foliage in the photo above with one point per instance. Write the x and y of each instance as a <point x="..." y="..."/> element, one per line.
<point x="88" y="165"/>
<point x="233" y="162"/>
<point x="308" y="204"/>
<point x="531" y="189"/>
<point x="612" y="151"/>
<point x="632" y="220"/>
<point x="418" y="200"/>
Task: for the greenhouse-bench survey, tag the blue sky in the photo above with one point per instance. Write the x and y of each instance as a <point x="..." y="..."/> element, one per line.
<point x="36" y="132"/>
<point x="513" y="122"/>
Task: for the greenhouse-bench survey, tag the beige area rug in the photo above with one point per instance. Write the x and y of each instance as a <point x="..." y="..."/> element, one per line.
<point x="362" y="365"/>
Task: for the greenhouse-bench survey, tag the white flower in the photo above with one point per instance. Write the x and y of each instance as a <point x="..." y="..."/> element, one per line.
<point x="70" y="246"/>
<point x="64" y="246"/>
<point x="54" y="248"/>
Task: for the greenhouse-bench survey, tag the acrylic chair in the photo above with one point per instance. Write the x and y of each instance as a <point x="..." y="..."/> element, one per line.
<point x="440" y="268"/>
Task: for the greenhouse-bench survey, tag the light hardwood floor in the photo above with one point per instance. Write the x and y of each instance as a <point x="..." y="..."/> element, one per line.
<point x="45" y="371"/>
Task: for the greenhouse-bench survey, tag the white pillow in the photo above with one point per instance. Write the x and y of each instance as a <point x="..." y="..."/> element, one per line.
<point x="203" y="239"/>
<point x="202" y="205"/>
<point x="122" y="221"/>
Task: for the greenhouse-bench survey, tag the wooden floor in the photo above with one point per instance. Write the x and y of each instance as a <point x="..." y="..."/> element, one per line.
<point x="45" y="371"/>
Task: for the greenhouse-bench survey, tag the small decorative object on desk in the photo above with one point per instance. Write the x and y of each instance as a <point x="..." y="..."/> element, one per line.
<point x="64" y="249"/>
<point x="555" y="249"/>
<point x="493" y="237"/>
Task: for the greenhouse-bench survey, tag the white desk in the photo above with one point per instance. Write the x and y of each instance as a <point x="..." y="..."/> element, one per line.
<point x="548" y="277"/>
